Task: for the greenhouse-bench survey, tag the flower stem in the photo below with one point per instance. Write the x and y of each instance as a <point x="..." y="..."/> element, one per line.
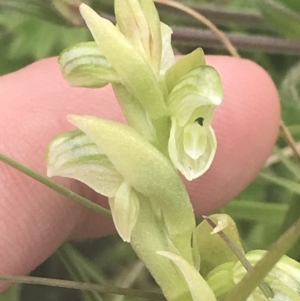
<point x="289" y="138"/>
<point x="82" y="286"/>
<point x="51" y="184"/>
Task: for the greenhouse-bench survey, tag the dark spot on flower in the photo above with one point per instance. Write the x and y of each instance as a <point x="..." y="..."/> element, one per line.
<point x="200" y="120"/>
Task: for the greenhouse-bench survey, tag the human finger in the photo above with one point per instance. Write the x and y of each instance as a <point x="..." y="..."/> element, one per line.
<point x="34" y="220"/>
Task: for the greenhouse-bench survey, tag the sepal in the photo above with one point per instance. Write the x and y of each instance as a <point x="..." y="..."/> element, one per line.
<point x="84" y="65"/>
<point x="197" y="94"/>
<point x="74" y="155"/>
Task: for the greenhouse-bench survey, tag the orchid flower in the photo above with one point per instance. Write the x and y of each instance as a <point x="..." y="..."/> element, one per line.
<point x="75" y="155"/>
<point x="192" y="142"/>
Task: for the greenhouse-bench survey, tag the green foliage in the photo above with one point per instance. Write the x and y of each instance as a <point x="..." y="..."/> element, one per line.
<point x="25" y="39"/>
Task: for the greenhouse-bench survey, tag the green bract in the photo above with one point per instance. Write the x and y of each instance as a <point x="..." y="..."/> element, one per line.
<point x="212" y="248"/>
<point x="95" y="159"/>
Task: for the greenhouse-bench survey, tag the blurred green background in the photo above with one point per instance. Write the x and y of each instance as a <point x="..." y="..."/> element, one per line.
<point x="266" y="31"/>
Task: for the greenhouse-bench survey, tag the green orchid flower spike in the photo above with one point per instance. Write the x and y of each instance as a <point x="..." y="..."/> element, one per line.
<point x="169" y="107"/>
<point x="176" y="113"/>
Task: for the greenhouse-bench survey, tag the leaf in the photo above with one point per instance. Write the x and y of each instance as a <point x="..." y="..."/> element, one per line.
<point x="281" y="18"/>
<point x="256" y="211"/>
<point x="290" y="86"/>
<point x="291" y="4"/>
<point x="287" y="184"/>
<point x="290" y="165"/>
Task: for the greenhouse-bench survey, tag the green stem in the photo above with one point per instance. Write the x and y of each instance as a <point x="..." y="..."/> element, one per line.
<point x="58" y="188"/>
<point x="82" y="286"/>
<point x="148" y="237"/>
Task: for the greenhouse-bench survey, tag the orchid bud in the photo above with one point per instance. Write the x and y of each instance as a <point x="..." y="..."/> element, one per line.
<point x="139" y="23"/>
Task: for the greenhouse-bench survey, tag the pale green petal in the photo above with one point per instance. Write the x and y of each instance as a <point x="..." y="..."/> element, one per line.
<point x="124" y="208"/>
<point x="135" y="72"/>
<point x="167" y="55"/>
<point x="84" y="65"/>
<point x="194" y="140"/>
<point x="74" y="155"/>
<point x="188" y="166"/>
<point x="199" y="288"/>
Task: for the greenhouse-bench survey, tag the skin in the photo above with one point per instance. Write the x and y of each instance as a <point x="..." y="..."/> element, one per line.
<point x="35" y="221"/>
